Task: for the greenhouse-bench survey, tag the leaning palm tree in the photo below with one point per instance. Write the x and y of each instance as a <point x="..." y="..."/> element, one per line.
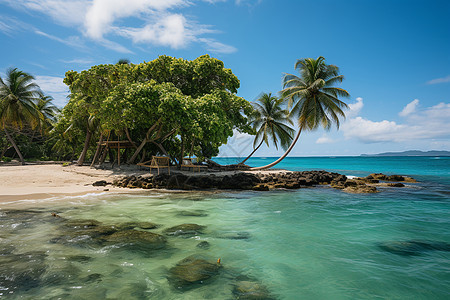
<point x="18" y="94"/>
<point x="269" y="120"/>
<point x="313" y="98"/>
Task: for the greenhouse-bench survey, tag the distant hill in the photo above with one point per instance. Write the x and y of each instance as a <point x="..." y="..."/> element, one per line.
<point x="412" y="153"/>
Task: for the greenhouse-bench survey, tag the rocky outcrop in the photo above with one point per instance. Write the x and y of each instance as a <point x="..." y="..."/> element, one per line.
<point x="263" y="181"/>
<point x="251" y="290"/>
<point x="192" y="271"/>
<point x="236" y="181"/>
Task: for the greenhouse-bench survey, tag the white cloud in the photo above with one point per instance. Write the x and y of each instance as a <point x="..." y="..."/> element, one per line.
<point x="324" y="140"/>
<point x="355" y="108"/>
<point x="428" y="124"/>
<point x="66" y="12"/>
<point x="171" y="30"/>
<point x="439" y="80"/>
<point x="155" y="22"/>
<point x="80" y="61"/>
<point x="55" y="87"/>
<point x="409" y="108"/>
<point x="217" y="47"/>
<point x="72" y="41"/>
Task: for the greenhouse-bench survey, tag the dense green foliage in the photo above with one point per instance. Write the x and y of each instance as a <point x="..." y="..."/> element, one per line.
<point x="166" y="106"/>
<point x="270" y="120"/>
<point x="26" y="115"/>
<point x="313" y="97"/>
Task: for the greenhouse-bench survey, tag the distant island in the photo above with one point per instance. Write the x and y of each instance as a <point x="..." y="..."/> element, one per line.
<point x="412" y="153"/>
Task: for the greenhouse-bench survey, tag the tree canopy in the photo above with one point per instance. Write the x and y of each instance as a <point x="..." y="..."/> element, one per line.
<point x="183" y="107"/>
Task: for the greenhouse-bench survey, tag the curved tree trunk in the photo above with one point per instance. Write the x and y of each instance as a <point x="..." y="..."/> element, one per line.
<point x="282" y="157"/>
<point x="97" y="152"/>
<point x="141" y="146"/>
<point x="85" y="148"/>
<point x="10" y="139"/>
<point x="254" y="150"/>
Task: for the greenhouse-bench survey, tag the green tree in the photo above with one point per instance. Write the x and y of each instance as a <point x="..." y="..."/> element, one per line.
<point x="269" y="121"/>
<point x="18" y="95"/>
<point x="314" y="99"/>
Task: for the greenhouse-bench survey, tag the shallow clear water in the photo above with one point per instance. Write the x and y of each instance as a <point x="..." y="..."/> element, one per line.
<point x="315" y="243"/>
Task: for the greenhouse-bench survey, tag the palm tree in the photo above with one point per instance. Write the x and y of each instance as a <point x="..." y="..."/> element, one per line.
<point x="269" y="120"/>
<point x="18" y="94"/>
<point x="48" y="112"/>
<point x="313" y="98"/>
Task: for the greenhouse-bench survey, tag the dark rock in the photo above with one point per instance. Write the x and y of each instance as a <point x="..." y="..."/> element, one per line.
<point x="185" y="230"/>
<point x="79" y="258"/>
<point x="234" y="235"/>
<point x="261" y="187"/>
<point x="197" y="213"/>
<point x="203" y="245"/>
<point x="192" y="271"/>
<point x="395" y="178"/>
<point x="100" y="183"/>
<point x="413" y="247"/>
<point x="396" y="184"/>
<point x="139" y="240"/>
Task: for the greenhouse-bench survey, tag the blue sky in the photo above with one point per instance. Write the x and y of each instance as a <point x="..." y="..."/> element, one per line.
<point x="394" y="55"/>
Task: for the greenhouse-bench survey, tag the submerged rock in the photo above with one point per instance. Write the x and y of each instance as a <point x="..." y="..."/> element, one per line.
<point x="82" y="224"/>
<point x="360" y="189"/>
<point x="251" y="290"/>
<point x="190" y="213"/>
<point x="242" y="235"/>
<point x="21" y="272"/>
<point x="138" y="240"/>
<point x="185" y="230"/>
<point x="413" y="247"/>
<point x="141" y="225"/>
<point x="191" y="271"/>
<point x="203" y="245"/>
<point x="79" y="258"/>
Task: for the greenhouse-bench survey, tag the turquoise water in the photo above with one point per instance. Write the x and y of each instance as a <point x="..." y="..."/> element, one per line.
<point x="314" y="243"/>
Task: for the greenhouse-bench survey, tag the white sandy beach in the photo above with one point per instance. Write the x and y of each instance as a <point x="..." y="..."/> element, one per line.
<point x="40" y="181"/>
<point x="43" y="181"/>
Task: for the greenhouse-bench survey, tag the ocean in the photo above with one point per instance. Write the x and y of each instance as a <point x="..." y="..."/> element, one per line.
<point x="311" y="243"/>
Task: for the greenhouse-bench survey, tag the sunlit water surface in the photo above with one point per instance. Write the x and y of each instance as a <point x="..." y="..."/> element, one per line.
<point x="313" y="243"/>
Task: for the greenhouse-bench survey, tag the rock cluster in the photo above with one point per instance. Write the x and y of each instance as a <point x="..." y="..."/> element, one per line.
<point x="236" y="181"/>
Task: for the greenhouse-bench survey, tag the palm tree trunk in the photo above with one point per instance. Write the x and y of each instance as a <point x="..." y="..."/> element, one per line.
<point x="282" y="157"/>
<point x="10" y="139"/>
<point x="97" y="152"/>
<point x="85" y="148"/>
<point x="242" y="162"/>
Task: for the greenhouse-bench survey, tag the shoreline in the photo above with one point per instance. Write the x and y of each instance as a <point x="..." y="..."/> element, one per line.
<point x="40" y="181"/>
<point x="46" y="181"/>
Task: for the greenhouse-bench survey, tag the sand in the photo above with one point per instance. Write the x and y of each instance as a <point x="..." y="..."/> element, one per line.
<point x="42" y="181"/>
<point x="49" y="180"/>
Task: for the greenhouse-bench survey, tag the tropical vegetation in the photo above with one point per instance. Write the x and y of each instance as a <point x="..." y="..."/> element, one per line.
<point x="270" y="120"/>
<point x="313" y="98"/>
<point x="24" y="110"/>
<point x="169" y="106"/>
